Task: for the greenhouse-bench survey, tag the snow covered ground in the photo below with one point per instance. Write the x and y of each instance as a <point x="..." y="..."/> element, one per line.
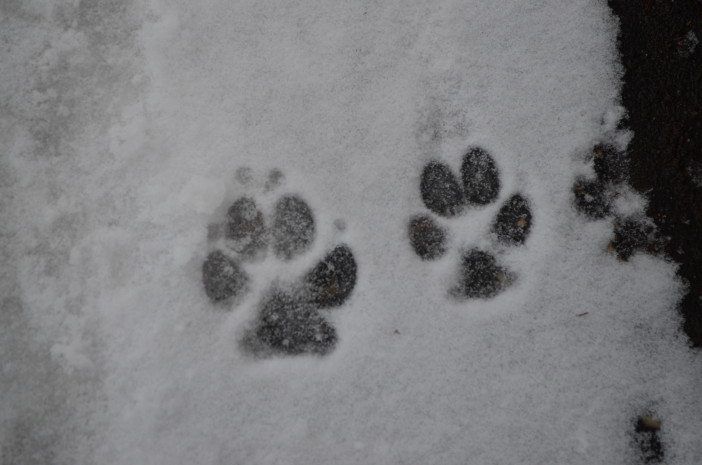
<point x="126" y="128"/>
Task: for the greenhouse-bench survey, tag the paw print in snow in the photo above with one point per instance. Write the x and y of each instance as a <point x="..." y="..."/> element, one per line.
<point x="480" y="274"/>
<point x="291" y="320"/>
<point x="291" y="316"/>
<point x="594" y="198"/>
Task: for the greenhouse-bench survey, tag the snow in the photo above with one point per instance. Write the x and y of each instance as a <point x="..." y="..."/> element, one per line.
<point x="124" y="131"/>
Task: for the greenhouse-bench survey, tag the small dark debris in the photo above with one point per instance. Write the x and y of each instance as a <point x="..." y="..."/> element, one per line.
<point x="293" y="227"/>
<point x="582" y="314"/>
<point x="611" y="165"/>
<point x="591" y="198"/>
<point x="440" y="190"/>
<point x="481" y="179"/>
<point x="481" y="276"/>
<point x="288" y="325"/>
<point x="222" y="277"/>
<point x="332" y="280"/>
<point x="648" y="423"/>
<point x="246" y="228"/>
<point x="648" y="440"/>
<point x="513" y="222"/>
<point x="427" y="238"/>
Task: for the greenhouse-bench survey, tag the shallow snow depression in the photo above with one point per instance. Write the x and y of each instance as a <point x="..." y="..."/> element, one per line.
<point x="128" y="129"/>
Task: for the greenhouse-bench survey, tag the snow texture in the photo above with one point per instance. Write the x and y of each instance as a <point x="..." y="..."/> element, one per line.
<point x="129" y="128"/>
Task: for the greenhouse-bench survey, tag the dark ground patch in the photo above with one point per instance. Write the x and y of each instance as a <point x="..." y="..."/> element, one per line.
<point x="663" y="97"/>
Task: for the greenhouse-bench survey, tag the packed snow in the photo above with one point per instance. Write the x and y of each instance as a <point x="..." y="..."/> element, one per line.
<point x="128" y="128"/>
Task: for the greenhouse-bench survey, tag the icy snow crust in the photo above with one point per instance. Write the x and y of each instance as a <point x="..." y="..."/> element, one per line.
<point x="122" y="131"/>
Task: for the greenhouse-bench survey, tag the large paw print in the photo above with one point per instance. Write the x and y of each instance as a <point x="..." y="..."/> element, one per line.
<point x="480" y="275"/>
<point x="291" y="316"/>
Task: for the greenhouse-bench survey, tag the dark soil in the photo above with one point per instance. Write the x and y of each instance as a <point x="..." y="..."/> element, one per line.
<point x="663" y="97"/>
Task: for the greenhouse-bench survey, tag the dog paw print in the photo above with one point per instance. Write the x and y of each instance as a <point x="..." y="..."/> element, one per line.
<point x="594" y="198"/>
<point x="292" y="315"/>
<point x="447" y="196"/>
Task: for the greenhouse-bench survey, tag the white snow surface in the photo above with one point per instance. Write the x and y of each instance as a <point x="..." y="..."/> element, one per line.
<point x="123" y="126"/>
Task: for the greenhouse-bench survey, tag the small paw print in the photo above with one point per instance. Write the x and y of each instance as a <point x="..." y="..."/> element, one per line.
<point x="291" y="316"/>
<point x="594" y="198"/>
<point x="480" y="275"/>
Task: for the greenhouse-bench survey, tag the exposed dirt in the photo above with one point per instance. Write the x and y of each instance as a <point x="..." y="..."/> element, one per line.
<point x="662" y="93"/>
